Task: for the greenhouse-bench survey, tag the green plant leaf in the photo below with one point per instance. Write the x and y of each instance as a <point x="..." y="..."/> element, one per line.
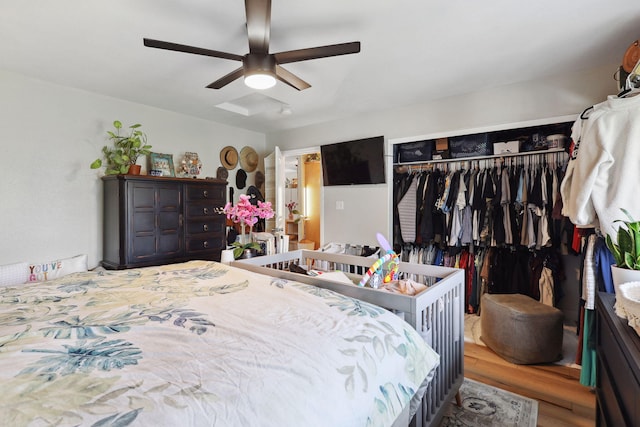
<point x="625" y="240"/>
<point x="626" y="251"/>
<point x="626" y="212"/>
<point x="237" y="252"/>
<point x="635" y="235"/>
<point x="629" y="261"/>
<point x="96" y="164"/>
<point x="117" y="124"/>
<point x="615" y="251"/>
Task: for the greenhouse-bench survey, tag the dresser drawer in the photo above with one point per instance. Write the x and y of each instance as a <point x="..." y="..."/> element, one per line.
<point x="206" y="192"/>
<point x="205" y="243"/>
<point x="607" y="398"/>
<point x="615" y="373"/>
<point x="205" y="226"/>
<point x="203" y="210"/>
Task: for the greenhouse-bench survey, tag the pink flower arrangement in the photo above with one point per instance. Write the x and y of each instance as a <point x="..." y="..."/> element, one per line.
<point x="246" y="213"/>
<point x="291" y="206"/>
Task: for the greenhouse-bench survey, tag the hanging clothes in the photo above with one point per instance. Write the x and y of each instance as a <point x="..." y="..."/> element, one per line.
<point x="493" y="206"/>
<point x="401" y="183"/>
<point x="407" y="208"/>
<point x="547" y="287"/>
<point x="478" y="219"/>
<point x="423" y="177"/>
<point x="604" y="163"/>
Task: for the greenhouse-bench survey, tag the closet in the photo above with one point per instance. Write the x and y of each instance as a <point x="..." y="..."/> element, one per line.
<point x="497" y="216"/>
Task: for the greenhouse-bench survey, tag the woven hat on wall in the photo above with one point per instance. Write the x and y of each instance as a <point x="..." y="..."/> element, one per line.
<point x="229" y="157"/>
<point x="248" y="159"/>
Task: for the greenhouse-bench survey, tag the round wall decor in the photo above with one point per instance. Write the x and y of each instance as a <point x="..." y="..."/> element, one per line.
<point x="248" y="159"/>
<point x="229" y="157"/>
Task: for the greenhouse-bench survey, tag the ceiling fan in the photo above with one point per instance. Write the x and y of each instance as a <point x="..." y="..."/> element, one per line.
<point x="259" y="67"/>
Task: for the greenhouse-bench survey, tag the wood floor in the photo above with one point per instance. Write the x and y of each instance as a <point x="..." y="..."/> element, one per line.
<point x="562" y="400"/>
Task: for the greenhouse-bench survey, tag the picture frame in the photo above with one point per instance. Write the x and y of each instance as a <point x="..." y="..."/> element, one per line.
<point x="162" y="162"/>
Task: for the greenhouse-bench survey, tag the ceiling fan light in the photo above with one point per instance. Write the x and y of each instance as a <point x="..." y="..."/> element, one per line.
<point x="260" y="81"/>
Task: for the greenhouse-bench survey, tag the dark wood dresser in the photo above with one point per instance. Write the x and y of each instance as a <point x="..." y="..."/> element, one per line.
<point x="618" y="367"/>
<point x="155" y="220"/>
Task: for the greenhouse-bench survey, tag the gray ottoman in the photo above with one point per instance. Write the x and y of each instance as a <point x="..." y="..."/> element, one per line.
<point x="520" y="329"/>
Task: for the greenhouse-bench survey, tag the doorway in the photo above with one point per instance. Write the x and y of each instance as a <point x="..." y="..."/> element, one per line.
<point x="303" y="198"/>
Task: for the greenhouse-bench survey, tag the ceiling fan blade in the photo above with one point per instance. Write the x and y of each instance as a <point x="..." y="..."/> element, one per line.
<point x="223" y="81"/>
<point x="258" y="25"/>
<point x="317" y="52"/>
<point x="291" y="79"/>
<point x="190" y="49"/>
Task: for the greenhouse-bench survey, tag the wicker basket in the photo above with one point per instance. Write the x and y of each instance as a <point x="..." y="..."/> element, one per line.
<point x="629" y="301"/>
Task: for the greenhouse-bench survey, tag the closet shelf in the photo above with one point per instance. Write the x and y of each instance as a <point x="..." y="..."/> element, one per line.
<point x="475" y="158"/>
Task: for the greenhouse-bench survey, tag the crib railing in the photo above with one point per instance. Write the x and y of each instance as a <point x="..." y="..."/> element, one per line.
<point x="436" y="313"/>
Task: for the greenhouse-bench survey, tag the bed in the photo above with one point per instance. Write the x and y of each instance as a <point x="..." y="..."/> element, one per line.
<point x="203" y="343"/>
<point x="436" y="313"/>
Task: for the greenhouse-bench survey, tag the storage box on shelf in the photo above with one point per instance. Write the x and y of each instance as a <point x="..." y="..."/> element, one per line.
<point x="519" y="140"/>
<point x="508" y="147"/>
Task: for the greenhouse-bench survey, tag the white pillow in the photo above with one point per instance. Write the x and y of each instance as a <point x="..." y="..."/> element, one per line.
<point x="14" y="274"/>
<point x="41" y="271"/>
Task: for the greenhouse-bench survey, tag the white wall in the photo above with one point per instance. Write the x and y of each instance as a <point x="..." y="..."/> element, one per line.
<point x="51" y="202"/>
<point x="367" y="208"/>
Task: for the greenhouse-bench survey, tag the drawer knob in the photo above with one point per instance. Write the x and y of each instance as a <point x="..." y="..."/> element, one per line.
<point x="205" y="244"/>
<point x="205" y="193"/>
<point x="206" y="227"/>
<point x="206" y="211"/>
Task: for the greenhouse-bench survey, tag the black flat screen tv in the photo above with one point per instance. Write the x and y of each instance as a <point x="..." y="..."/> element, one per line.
<point x="353" y="162"/>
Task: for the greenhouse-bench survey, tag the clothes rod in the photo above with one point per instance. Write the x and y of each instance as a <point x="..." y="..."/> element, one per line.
<point x="493" y="156"/>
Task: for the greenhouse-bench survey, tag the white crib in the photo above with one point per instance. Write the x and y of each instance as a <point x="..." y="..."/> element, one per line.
<point x="437" y="313"/>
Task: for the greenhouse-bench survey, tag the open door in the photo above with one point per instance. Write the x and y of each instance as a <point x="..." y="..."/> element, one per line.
<point x="274" y="188"/>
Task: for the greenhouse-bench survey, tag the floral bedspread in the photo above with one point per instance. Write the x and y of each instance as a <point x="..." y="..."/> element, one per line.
<point x="201" y="343"/>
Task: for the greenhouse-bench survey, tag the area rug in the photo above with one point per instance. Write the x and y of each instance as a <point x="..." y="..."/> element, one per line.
<point x="483" y="405"/>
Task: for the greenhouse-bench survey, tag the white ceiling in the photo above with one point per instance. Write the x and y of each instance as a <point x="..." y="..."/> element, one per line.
<point x="413" y="51"/>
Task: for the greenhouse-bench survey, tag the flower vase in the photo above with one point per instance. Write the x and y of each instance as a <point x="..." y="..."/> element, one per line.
<point x="243" y="236"/>
<point x="290" y="216"/>
<point x="248" y="253"/>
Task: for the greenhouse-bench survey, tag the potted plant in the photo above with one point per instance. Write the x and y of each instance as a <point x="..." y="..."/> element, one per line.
<point x="122" y="157"/>
<point x="626" y="252"/>
<point x="291" y="207"/>
<point x="246" y="214"/>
